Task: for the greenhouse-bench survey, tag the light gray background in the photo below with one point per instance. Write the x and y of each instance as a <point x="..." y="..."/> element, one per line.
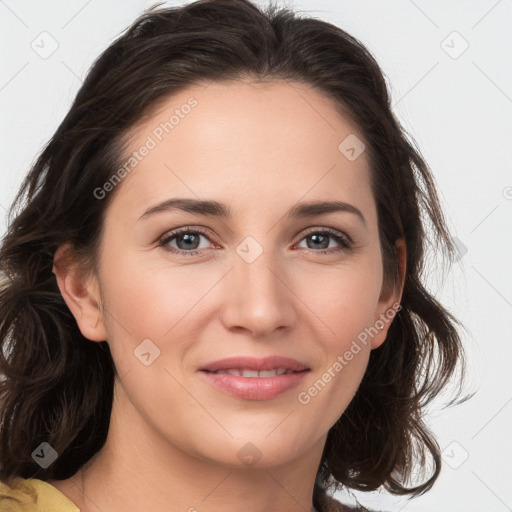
<point x="456" y="104"/>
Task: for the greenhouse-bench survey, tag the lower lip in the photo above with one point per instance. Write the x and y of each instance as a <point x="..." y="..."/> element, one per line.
<point x="255" y="388"/>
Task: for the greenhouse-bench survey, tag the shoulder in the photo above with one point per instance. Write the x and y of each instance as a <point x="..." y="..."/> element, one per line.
<point x="32" y="495"/>
<point x="17" y="495"/>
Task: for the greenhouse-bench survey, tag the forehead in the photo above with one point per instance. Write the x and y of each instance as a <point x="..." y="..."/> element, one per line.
<point x="244" y="141"/>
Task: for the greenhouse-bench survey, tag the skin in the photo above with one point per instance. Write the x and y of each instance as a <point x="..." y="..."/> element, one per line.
<point x="174" y="438"/>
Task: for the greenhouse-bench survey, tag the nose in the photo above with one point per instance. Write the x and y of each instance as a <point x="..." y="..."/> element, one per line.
<point x="258" y="296"/>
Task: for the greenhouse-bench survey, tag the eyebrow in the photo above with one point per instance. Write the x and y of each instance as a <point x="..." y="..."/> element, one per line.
<point x="216" y="209"/>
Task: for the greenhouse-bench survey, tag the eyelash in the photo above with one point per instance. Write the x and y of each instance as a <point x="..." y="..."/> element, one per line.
<point x="344" y="240"/>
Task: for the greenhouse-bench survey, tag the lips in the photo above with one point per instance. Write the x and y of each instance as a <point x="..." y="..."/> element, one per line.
<point x="250" y="378"/>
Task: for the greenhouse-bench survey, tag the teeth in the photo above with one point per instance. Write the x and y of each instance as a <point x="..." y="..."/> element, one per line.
<point x="250" y="373"/>
<point x="255" y="373"/>
<point x="267" y="373"/>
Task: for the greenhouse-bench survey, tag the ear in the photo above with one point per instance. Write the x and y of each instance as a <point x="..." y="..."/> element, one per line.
<point x="389" y="301"/>
<point x="80" y="290"/>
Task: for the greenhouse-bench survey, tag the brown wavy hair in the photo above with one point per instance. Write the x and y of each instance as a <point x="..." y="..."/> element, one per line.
<point x="57" y="386"/>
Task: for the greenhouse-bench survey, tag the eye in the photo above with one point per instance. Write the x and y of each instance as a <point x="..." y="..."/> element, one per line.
<point x="320" y="239"/>
<point x="188" y="241"/>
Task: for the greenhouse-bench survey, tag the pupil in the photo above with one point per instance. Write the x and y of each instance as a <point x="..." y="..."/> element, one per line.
<point x="190" y="238"/>
<point x="326" y="239"/>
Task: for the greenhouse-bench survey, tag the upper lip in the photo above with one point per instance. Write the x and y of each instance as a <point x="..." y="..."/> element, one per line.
<point x="254" y="363"/>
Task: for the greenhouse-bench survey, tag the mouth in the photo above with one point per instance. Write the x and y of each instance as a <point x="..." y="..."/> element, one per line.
<point x="255" y="379"/>
<point x="253" y="366"/>
<point x="254" y="373"/>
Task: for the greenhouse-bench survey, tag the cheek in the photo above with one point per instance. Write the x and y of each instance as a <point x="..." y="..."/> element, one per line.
<point x="344" y="297"/>
<point x="332" y="386"/>
<point x="162" y="303"/>
<point x="345" y="301"/>
<point x="147" y="300"/>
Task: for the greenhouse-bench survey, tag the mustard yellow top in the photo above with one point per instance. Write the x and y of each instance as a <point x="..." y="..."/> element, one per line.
<point x="33" y="495"/>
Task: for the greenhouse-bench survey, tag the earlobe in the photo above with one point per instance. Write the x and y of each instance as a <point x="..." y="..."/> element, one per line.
<point x="391" y="301"/>
<point x="80" y="292"/>
<point x="379" y="338"/>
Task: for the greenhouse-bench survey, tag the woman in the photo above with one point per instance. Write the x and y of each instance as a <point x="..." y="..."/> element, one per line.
<point x="252" y="369"/>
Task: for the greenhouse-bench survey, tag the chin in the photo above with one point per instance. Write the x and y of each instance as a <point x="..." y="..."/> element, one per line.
<point x="260" y="451"/>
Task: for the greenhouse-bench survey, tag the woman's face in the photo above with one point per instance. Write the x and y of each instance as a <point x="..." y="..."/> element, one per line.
<point x="270" y="279"/>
